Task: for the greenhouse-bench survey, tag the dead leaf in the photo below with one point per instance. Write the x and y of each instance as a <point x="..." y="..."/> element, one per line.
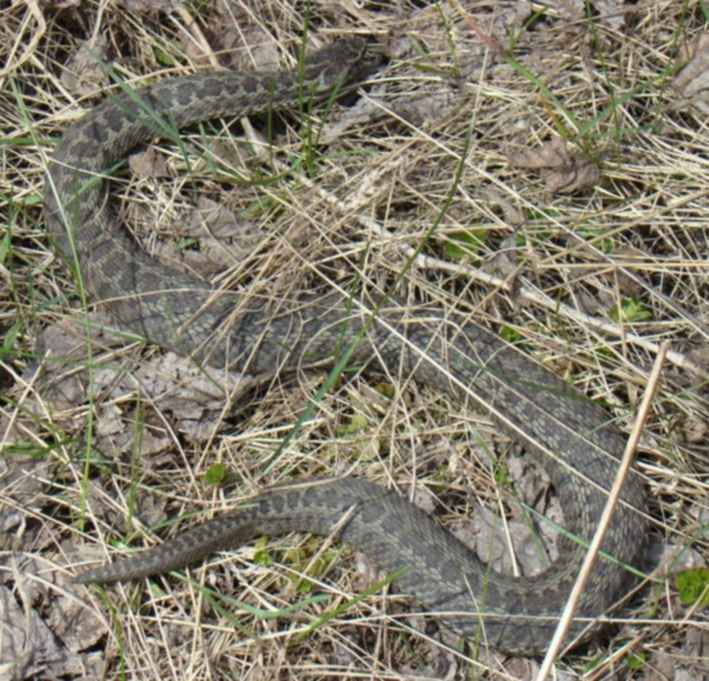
<point x="700" y="356"/>
<point x="250" y="48"/>
<point x="23" y="481"/>
<point x="692" y="82"/>
<point x="487" y="534"/>
<point x="505" y="261"/>
<point x="224" y="238"/>
<point x="149" y="163"/>
<point x="206" y="240"/>
<point x="368" y="109"/>
<point x="114" y="436"/>
<point x="194" y="396"/>
<point x="564" y="172"/>
<point x="85" y="73"/>
<point x="661" y="665"/>
<point x="423" y="499"/>
<point x="695" y="652"/>
<point x="28" y="647"/>
<point x="675" y="558"/>
<point x="571" y="10"/>
<point x="433" y="661"/>
<point x="695" y="429"/>
<point x="66" y="347"/>
<point x="610" y="13"/>
<point x="75" y="624"/>
<point x="450" y="43"/>
<point x="523" y="669"/>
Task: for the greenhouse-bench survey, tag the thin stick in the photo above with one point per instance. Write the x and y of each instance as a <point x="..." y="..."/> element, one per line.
<point x="590" y="558"/>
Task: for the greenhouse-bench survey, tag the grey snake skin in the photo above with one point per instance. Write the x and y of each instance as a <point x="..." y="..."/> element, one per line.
<point x="571" y="437"/>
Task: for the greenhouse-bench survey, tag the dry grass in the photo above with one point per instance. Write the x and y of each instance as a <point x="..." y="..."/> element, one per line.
<point x="594" y="281"/>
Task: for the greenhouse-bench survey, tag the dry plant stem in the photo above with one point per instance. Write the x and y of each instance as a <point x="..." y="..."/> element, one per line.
<point x="525" y="291"/>
<point x="12" y="63"/>
<point x="534" y="295"/>
<point x="613" y="497"/>
<point x="193" y="29"/>
<point x="608" y="667"/>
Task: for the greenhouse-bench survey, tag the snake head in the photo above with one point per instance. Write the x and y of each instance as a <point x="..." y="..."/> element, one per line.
<point x="344" y="62"/>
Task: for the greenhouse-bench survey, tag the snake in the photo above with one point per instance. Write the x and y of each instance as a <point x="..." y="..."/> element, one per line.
<point x="572" y="437"/>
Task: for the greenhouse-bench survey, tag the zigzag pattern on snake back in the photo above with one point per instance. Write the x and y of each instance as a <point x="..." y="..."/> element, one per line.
<point x="572" y="437"/>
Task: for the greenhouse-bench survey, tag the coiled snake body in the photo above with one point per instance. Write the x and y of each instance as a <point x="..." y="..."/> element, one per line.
<point x="571" y="436"/>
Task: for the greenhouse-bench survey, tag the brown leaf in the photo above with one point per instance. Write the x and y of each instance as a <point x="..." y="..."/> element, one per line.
<point x="692" y="82"/>
<point x="66" y="345"/>
<point x="224" y="239"/>
<point x="28" y="647"/>
<point x="611" y="13"/>
<point x="84" y="73"/>
<point x="564" y="173"/>
<point x="25" y="482"/>
<point x="250" y="48"/>
<point x="149" y="163"/>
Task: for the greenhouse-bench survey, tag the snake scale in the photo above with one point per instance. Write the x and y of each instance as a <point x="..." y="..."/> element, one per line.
<point x="570" y="436"/>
